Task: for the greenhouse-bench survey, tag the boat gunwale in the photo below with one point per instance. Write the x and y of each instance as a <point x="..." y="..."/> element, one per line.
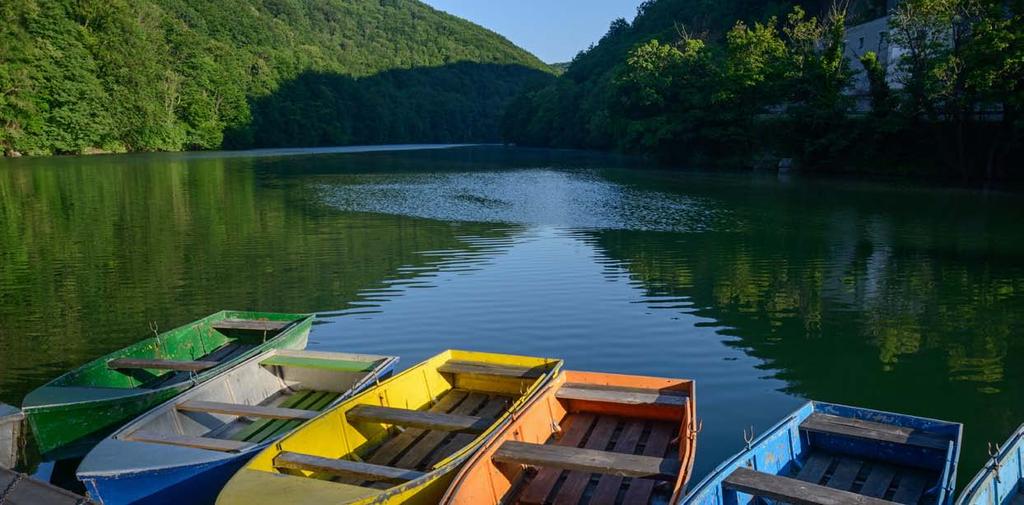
<point x="1013" y="442"/>
<point x="385" y="363"/>
<point x="296" y="319"/>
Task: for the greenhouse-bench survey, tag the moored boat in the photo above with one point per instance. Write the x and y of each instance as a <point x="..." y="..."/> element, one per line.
<point x="20" y="489"/>
<point x="185" y="450"/>
<point x="826" y="454"/>
<point x="1001" y="482"/>
<point x="73" y="412"/>
<point x="11" y="420"/>
<point x="399" y="442"/>
<point x="588" y="438"/>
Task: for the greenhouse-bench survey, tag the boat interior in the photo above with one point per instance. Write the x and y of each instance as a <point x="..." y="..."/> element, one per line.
<point x="593" y="439"/>
<point x="253" y="403"/>
<point x="840" y="459"/>
<point x="446" y="404"/>
<point x="191" y="350"/>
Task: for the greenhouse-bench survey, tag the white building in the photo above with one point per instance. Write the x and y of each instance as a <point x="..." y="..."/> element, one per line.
<point x="872" y="36"/>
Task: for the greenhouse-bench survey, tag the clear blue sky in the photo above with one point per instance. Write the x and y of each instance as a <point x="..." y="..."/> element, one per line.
<point x="554" y="30"/>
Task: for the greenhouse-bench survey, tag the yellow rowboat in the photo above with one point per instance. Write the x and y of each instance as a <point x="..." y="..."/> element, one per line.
<point x="400" y="442"/>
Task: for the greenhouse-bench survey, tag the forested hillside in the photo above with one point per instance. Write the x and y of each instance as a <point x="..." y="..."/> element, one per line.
<point x="746" y="83"/>
<point x="574" y="110"/>
<point x="142" y="75"/>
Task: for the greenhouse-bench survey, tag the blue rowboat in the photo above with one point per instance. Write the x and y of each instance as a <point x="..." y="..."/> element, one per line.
<point x="1002" y="481"/>
<point x="827" y="454"/>
<point x="185" y="450"/>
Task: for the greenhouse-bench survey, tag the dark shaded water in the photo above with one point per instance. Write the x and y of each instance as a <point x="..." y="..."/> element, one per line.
<point x="766" y="291"/>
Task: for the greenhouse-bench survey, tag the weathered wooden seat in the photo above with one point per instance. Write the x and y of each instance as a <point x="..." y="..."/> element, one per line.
<point x="836" y="425"/>
<point x="250" y="325"/>
<point x="160" y="364"/>
<point x="265" y="429"/>
<point x="487" y="369"/>
<point x="794" y="491"/>
<point x="419" y="419"/>
<point x="421" y="448"/>
<point x="621" y="395"/>
<point x="344" y="468"/>
<point x="334" y="365"/>
<point x="587" y="460"/>
<point x="235" y="409"/>
<point x="212" y="444"/>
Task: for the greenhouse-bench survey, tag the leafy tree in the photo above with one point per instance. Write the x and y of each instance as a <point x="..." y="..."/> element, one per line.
<point x="761" y="89"/>
<point x="145" y="75"/>
<point x="878" y="80"/>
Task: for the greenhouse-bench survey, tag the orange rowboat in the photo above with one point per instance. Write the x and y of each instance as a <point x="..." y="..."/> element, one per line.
<point x="588" y="438"/>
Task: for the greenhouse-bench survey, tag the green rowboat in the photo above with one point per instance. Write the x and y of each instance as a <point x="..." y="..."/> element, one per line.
<point x="73" y="412"/>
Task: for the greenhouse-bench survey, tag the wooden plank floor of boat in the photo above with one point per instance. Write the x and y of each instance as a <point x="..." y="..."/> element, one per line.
<point x="869" y="478"/>
<point x="420" y="449"/>
<point x="604" y="433"/>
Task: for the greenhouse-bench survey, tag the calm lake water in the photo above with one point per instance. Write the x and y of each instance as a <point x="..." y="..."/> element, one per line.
<point x="767" y="291"/>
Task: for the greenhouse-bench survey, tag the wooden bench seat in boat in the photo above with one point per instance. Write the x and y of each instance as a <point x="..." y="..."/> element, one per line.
<point x="587" y="460"/>
<point x="241" y="410"/>
<point x="487" y="369"/>
<point x="417" y="448"/>
<point x="794" y="491"/>
<point x="250" y="325"/>
<point x="595" y="432"/>
<point x="160" y="364"/>
<point x="211" y="444"/>
<point x="344" y="468"/>
<point x="621" y="395"/>
<point x="333" y="365"/>
<point x="419" y="419"/>
<point x="858" y="428"/>
<point x="264" y="429"/>
<point x="877" y="480"/>
<point x="224" y="353"/>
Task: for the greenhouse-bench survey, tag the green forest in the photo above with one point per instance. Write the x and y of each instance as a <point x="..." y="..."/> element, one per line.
<point x="710" y="83"/>
<point x="82" y="76"/>
<point x="746" y="83"/>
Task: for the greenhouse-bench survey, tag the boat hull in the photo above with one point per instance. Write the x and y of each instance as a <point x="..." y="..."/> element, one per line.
<point x="925" y="458"/>
<point x="481" y="481"/>
<point x="1001" y="482"/>
<point x="421" y="387"/>
<point x="72" y="413"/>
<point x="195" y="482"/>
<point x="11" y="420"/>
<point x="70" y="430"/>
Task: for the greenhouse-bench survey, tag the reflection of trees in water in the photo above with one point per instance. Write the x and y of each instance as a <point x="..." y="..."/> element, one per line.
<point x="890" y="311"/>
<point x="91" y="250"/>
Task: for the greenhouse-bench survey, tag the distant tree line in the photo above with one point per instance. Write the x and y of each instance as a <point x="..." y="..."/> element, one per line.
<point x="778" y="86"/>
<point x="165" y="75"/>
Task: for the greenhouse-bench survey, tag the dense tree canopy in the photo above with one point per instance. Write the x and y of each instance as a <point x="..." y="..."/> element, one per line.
<point x="743" y="83"/>
<point x="146" y="75"/>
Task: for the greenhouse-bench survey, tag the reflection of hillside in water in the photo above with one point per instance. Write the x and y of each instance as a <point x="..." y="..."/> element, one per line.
<point x="89" y="248"/>
<point x="892" y="301"/>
